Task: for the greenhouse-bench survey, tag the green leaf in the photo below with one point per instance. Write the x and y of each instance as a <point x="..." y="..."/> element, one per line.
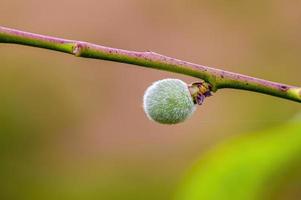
<point x="248" y="168"/>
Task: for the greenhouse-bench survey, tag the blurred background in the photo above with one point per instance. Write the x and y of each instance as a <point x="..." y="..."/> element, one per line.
<point x="74" y="128"/>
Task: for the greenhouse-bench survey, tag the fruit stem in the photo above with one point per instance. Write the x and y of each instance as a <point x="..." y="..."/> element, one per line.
<point x="199" y="91"/>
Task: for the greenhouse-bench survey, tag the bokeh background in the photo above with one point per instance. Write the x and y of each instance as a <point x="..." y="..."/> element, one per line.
<point x="74" y="128"/>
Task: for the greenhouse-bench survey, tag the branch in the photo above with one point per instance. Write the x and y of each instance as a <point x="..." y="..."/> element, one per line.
<point x="216" y="77"/>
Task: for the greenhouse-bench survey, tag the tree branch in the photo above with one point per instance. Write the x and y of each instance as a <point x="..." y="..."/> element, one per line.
<point x="216" y="77"/>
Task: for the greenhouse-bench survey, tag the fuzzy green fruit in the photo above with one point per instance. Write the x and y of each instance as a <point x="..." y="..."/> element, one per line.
<point x="168" y="101"/>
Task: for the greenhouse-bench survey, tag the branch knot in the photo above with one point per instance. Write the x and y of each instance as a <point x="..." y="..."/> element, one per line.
<point x="77" y="49"/>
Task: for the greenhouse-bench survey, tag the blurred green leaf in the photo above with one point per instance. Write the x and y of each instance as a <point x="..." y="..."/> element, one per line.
<point x="255" y="166"/>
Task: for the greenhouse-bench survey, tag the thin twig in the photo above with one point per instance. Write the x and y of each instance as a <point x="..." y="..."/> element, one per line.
<point x="216" y="77"/>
